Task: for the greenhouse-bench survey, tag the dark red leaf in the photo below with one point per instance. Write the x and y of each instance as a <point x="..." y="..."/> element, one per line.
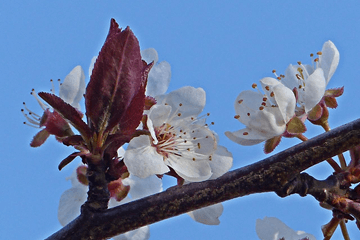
<point x="73" y="140"/>
<point x="115" y="80"/>
<point x="69" y="159"/>
<point x="134" y="112"/>
<point x="67" y="111"/>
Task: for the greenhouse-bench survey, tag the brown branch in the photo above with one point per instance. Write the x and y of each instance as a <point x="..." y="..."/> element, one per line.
<point x="270" y="174"/>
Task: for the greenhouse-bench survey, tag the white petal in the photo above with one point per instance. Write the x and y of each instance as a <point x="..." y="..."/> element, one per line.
<point x="158" y="79"/>
<point x="290" y="80"/>
<point x="329" y="60"/>
<point x="142" y="233"/>
<point x="247" y="103"/>
<point x="283" y="96"/>
<point x="73" y="87"/>
<point x="268" y="122"/>
<point x="192" y="101"/>
<point x="268" y="84"/>
<point x="158" y="114"/>
<point x="143" y="187"/>
<point x="188" y="169"/>
<point x="121" y="152"/>
<point x="285" y="100"/>
<point x="149" y="55"/>
<point x="91" y="67"/>
<point x="142" y="160"/>
<point x="250" y="139"/>
<point x="70" y="203"/>
<point x="221" y="162"/>
<point x="203" y="139"/>
<point x="208" y="215"/>
<point x="272" y="228"/>
<point x="314" y="89"/>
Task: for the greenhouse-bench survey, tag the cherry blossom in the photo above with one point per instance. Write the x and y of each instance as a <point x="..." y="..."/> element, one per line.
<point x="265" y="115"/>
<point x="310" y="81"/>
<point x="272" y="228"/>
<point x="179" y="140"/>
<point x="71" y="91"/>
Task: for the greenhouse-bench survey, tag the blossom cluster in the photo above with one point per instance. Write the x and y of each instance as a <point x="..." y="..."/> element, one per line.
<point x="126" y="102"/>
<point x="288" y="100"/>
<point x="139" y="132"/>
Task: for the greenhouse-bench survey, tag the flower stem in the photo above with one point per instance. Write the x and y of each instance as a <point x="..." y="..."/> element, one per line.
<point x="342" y="160"/>
<point x="344" y="230"/>
<point x="301" y="137"/>
<point x="334" y="165"/>
<point x="326" y="126"/>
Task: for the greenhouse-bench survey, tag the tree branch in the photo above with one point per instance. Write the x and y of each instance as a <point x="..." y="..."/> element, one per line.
<point x="270" y="174"/>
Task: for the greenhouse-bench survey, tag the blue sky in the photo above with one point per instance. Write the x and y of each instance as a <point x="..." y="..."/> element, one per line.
<point x="221" y="46"/>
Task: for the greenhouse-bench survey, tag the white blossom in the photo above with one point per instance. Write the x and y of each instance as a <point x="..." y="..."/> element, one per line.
<point x="264" y="115"/>
<point x="71" y="91"/>
<point x="73" y="87"/>
<point x="272" y="228"/>
<point x="310" y="81"/>
<point x="179" y="139"/>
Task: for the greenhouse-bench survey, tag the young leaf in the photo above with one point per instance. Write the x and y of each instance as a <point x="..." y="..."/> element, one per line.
<point x="115" y="80"/>
<point x="134" y="113"/>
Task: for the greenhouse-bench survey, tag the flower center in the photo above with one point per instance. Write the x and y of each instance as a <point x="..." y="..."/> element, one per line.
<point x="33" y="119"/>
<point x="184" y="139"/>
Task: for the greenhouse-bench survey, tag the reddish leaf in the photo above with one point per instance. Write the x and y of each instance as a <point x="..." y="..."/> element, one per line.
<point x="67" y="111"/>
<point x="134" y="113"/>
<point x="69" y="159"/>
<point x="73" y="140"/>
<point x="115" y="80"/>
<point x="117" y="169"/>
